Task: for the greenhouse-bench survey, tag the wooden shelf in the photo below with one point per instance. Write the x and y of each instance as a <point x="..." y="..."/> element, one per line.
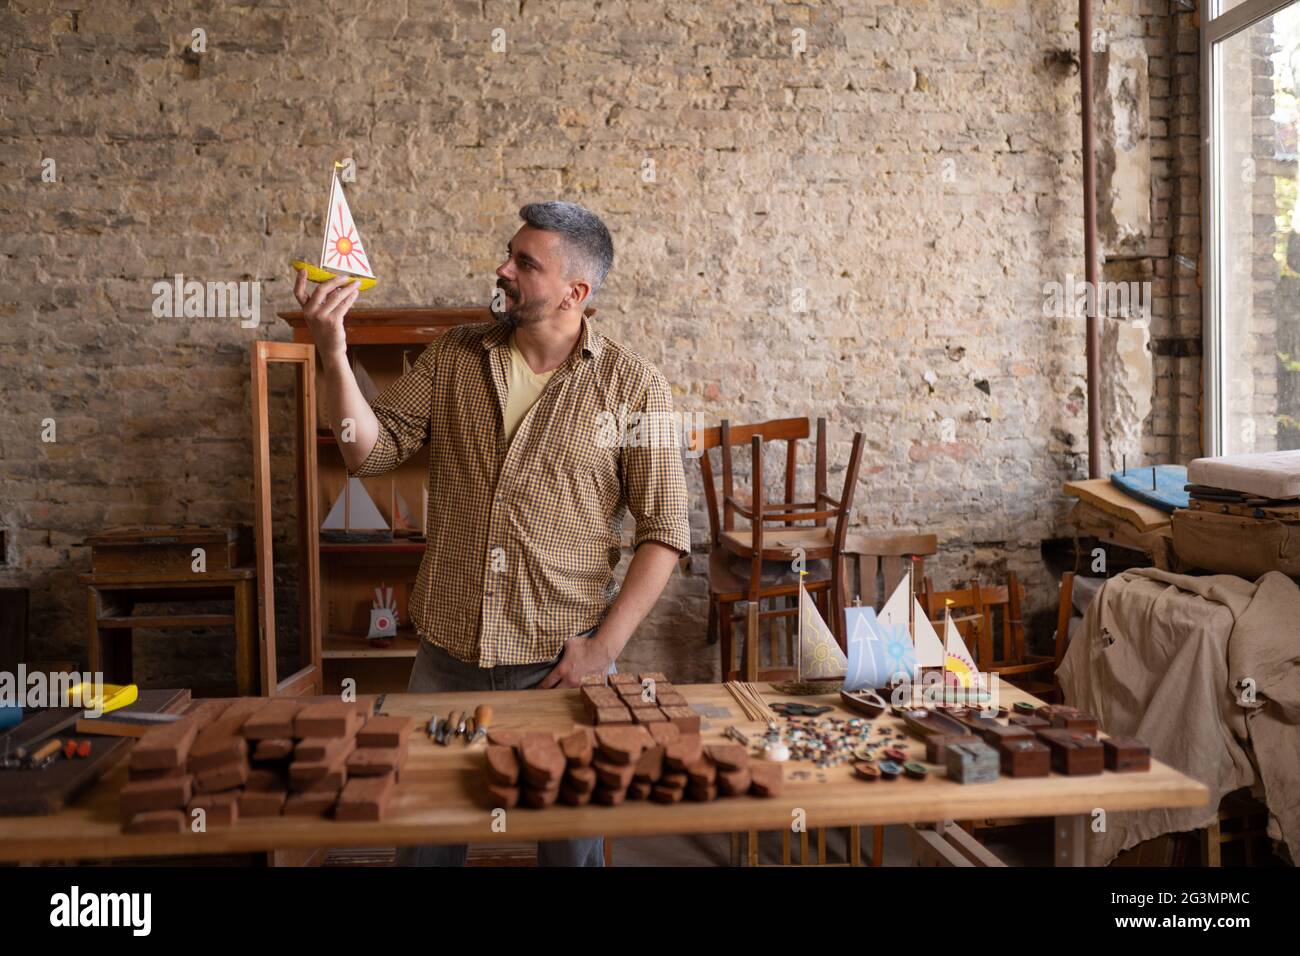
<point x="168" y="620"/>
<point x="365" y="547"/>
<point x="346" y="646"/>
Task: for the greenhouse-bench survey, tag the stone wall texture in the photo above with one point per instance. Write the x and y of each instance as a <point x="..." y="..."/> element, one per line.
<point x="841" y="209"/>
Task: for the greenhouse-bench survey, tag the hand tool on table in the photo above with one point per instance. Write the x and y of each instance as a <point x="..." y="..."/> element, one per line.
<point x="482" y="719"/>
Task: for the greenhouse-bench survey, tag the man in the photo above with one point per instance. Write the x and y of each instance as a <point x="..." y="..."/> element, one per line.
<point x="516" y="586"/>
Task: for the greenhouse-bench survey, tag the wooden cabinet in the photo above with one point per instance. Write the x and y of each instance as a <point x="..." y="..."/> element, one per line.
<point x="337" y="579"/>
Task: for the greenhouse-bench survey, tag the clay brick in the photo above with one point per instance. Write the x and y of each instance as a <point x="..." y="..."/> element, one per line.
<point x="768" y="779"/>
<point x="221" y="778"/>
<point x="167" y="793"/>
<point x="331" y="750"/>
<point x="314" y="803"/>
<point x="502" y="765"/>
<point x="609" y="797"/>
<point x="384" y="730"/>
<point x="619" y="745"/>
<point x="615" y="680"/>
<point x="612" y="715"/>
<point x="262" y="803"/>
<point x="683" y="718"/>
<point x="580" y="779"/>
<point x="165" y="747"/>
<point x="134" y="774"/>
<point x="615" y="776"/>
<point x="304" y="777"/>
<point x="703" y="794"/>
<point x="542" y="761"/>
<point x="275" y="720"/>
<point x="218" y="744"/>
<point x="273" y="749"/>
<point x="331" y="719"/>
<point x="702" y="772"/>
<point x="639" y="789"/>
<point x="540" y="799"/>
<point x="683" y="751"/>
<point x="728" y="756"/>
<point x="220" y="809"/>
<point x="649" y="715"/>
<point x="573" y="798"/>
<point x="670" y="698"/>
<point x="504" y="738"/>
<point x="157" y="821"/>
<point x="664" y="794"/>
<point x="364" y="799"/>
<point x="663" y="734"/>
<point x="577" y="747"/>
<point x="261" y="778"/>
<point x="506" y="798"/>
<point x="734" y="783"/>
<point x="375" y="761"/>
<point x="650" y="765"/>
<point x="657" y="676"/>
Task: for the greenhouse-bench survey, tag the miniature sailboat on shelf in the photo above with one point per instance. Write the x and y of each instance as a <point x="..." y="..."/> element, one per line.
<point x="342" y="252"/>
<point x="354" y="517"/>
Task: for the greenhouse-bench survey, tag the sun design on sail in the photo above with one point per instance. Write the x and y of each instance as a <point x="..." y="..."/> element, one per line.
<point x="344" y="244"/>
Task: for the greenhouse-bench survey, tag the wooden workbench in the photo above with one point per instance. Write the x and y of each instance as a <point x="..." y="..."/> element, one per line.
<point x="442" y="799"/>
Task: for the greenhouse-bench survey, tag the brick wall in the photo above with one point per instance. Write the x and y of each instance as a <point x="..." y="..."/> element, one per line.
<point x="839" y="209"/>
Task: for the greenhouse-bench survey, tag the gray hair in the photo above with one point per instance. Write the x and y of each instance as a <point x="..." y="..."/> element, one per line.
<point x="590" y="246"/>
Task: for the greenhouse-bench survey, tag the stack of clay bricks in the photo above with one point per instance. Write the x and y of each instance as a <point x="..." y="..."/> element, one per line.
<point x="611" y="764"/>
<point x="264" y="757"/>
<point x="629" y="699"/>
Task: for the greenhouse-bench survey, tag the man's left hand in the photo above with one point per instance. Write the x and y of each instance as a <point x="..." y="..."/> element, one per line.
<point x="581" y="656"/>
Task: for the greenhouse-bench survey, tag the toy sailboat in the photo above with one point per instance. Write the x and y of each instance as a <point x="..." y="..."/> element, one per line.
<point x="819" y="657"/>
<point x="342" y="252"/>
<point x="354" y="517"/>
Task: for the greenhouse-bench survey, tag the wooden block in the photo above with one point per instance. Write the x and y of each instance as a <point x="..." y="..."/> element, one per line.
<point x="574" y="798"/>
<point x="133" y="774"/>
<point x="1028" y="721"/>
<point x="735" y="783"/>
<point x="702" y="772"/>
<point x="616" y="680"/>
<point x="221" y="778"/>
<point x="316" y="775"/>
<point x="166" y="746"/>
<point x="657" y="676"/>
<point x="577" y="747"/>
<point x="1024" y="757"/>
<point x="261" y="778"/>
<point x="313" y="803"/>
<point x="540" y="799"/>
<point x="593" y="680"/>
<point x="674" y="778"/>
<point x="274" y="721"/>
<point x="332" y="750"/>
<point x="166" y="793"/>
<point x="612" y="716"/>
<point x="331" y="719"/>
<point x="703" y="794"/>
<point x="502" y="765"/>
<point x="662" y="794"/>
<point x="1073" y="753"/>
<point x="218" y="744"/>
<point x="580" y="779"/>
<point x="1065" y="717"/>
<point x="273" y="749"/>
<point x="650" y="765"/>
<point x="383" y="730"/>
<point x="541" y="761"/>
<point x="615" y="776"/>
<point x="505" y="798"/>
<point x="670" y="698"/>
<point x="504" y="738"/>
<point x="972" y="761"/>
<point x="608" y="797"/>
<point x="634" y="695"/>
<point x="768" y="779"/>
<point x="617" y="745"/>
<point x="683" y="718"/>
<point x="663" y="734"/>
<point x="262" y="803"/>
<point x="157" y="821"/>
<point x="1126" y="755"/>
<point x="686" y="749"/>
<point x="375" y="761"/>
<point x="364" y="799"/>
<point x="648" y="715"/>
<point x="728" y="756"/>
<point x="639" y="789"/>
<point x="219" y="809"/>
<point x="996" y="734"/>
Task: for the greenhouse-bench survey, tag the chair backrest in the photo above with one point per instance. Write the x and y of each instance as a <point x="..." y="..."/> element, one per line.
<point x="789" y="430"/>
<point x="886" y="557"/>
<point x="982" y="613"/>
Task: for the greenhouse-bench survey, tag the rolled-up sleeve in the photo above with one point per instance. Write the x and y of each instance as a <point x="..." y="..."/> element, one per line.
<point x="653" y="481"/>
<point x="404" y="417"/>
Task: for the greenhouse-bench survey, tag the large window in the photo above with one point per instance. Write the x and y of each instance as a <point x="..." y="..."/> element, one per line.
<point x="1251" y="86"/>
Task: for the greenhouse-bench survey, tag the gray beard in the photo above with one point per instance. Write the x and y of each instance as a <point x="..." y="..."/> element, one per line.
<point x="509" y="320"/>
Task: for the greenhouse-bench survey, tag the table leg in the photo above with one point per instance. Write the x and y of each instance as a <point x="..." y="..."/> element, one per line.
<point x="1070" y="839"/>
<point x="246" y="678"/>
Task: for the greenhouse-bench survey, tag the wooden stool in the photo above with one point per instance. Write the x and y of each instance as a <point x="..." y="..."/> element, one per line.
<point x="112" y="596"/>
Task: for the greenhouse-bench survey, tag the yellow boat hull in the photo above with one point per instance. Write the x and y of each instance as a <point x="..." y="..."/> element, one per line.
<point x="317" y="274"/>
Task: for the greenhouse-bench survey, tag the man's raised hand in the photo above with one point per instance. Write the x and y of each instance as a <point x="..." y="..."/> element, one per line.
<point x="325" y="308"/>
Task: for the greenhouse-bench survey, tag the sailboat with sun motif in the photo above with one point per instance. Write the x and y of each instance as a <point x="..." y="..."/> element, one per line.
<point x="342" y="252"/>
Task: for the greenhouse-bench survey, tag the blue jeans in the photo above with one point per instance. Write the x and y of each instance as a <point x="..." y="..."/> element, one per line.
<point x="437" y="672"/>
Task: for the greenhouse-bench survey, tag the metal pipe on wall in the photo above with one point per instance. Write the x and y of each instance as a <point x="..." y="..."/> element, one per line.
<point x="1090" y="239"/>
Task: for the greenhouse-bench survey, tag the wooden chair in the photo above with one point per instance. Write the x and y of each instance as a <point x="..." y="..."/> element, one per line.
<point x="777" y="532"/>
<point x="981" y="613"/>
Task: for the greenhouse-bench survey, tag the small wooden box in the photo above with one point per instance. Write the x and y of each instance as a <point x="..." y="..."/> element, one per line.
<point x="1028" y="721"/>
<point x="170" y="550"/>
<point x="1126" y="755"/>
<point x="1063" y="717"/>
<point x="971" y="761"/>
<point x="997" y="734"/>
<point x="1025" y="757"/>
<point x="1073" y="753"/>
<point x="936" y="747"/>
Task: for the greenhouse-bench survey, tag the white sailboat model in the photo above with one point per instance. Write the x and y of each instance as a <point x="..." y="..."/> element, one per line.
<point x="342" y="252"/>
<point x="819" y="655"/>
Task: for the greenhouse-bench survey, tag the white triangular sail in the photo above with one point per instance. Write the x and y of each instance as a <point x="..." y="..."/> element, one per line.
<point x="957" y="659"/>
<point x="929" y="649"/>
<point x="354" y="510"/>
<point x="820" y="657"/>
<point x="369" y="390"/>
<point x="895" y="609"/>
<point x="341" y="249"/>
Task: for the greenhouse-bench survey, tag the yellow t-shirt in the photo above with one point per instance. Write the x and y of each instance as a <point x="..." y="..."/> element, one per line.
<point x="523" y="389"/>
